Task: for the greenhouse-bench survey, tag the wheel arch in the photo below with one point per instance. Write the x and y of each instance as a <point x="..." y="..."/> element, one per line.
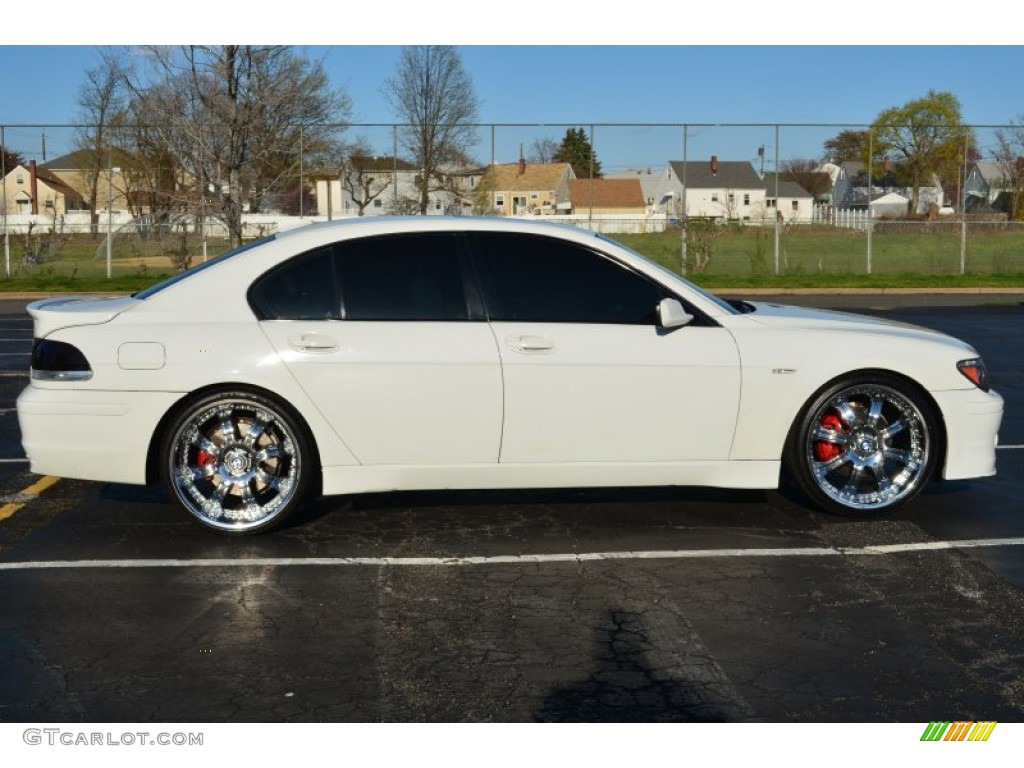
<point x="153" y="451"/>
<point x="918" y="389"/>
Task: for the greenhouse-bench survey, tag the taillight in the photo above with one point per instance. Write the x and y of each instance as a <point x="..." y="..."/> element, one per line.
<point x="58" y="361"/>
<point x="975" y="370"/>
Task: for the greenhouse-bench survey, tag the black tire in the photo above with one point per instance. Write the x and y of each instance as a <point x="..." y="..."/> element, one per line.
<point x="864" y="445"/>
<point x="237" y="462"/>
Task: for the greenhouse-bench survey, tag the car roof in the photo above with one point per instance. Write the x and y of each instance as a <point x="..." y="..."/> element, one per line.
<point x="376" y="225"/>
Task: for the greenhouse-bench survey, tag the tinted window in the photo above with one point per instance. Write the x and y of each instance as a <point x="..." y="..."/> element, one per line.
<point x="402" y="277"/>
<point x="301" y="289"/>
<point x="531" y="278"/>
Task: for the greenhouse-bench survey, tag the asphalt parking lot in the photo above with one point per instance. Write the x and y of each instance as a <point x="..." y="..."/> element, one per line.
<point x="656" y="604"/>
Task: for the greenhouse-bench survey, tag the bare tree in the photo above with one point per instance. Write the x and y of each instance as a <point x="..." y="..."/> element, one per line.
<point x="364" y="176"/>
<point x="432" y="94"/>
<point x="543" y="150"/>
<point x="236" y="118"/>
<point x="1009" y="154"/>
<point x="102" y="105"/>
<point x="804" y="171"/>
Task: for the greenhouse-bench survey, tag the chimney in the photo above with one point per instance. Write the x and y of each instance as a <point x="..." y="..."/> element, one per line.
<point x="714" y="165"/>
<point x="33" y="186"/>
<point x="522" y="161"/>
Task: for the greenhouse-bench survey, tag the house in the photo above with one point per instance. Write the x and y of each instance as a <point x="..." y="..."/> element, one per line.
<point x="35" y="190"/>
<point x="648" y="183"/>
<point x="375" y="186"/>
<point x="855" y="193"/>
<point x="985" y="182"/>
<point x="787" y="200"/>
<point x="728" y="190"/>
<point x="603" y="197"/>
<point x="75" y="169"/>
<point x="517" y="189"/>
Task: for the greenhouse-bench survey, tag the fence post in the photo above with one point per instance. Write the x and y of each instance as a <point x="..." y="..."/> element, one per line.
<point x="682" y="213"/>
<point x="3" y="167"/>
<point x="777" y="199"/>
<point x="870" y="225"/>
<point x="963" y="214"/>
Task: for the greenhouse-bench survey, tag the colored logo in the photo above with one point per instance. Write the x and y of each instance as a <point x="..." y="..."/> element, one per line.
<point x="959" y="730"/>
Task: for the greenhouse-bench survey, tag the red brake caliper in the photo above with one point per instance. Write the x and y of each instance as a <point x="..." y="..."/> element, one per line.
<point x="823" y="450"/>
<point x="205" y="457"/>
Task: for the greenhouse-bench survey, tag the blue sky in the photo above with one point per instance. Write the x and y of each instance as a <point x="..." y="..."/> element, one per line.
<point x="563" y="85"/>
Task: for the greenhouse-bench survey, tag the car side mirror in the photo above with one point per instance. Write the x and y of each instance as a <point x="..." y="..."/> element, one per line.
<point x="672" y="315"/>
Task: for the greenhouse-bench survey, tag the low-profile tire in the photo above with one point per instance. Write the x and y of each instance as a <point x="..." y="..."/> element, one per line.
<point x="237" y="462"/>
<point x="865" y="445"/>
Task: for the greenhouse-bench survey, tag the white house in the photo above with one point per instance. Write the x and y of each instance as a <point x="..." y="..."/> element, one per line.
<point x="728" y="190"/>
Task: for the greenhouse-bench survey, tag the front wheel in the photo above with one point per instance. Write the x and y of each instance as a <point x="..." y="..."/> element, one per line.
<point x="236" y="462"/>
<point x="867" y="444"/>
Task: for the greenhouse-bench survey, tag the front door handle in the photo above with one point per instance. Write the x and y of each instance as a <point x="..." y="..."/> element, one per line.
<point x="531" y="344"/>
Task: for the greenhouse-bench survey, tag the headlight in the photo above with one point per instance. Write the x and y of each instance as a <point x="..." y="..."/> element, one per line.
<point x="975" y="370"/>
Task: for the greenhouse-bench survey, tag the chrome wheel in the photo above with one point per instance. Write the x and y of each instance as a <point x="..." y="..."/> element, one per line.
<point x="236" y="463"/>
<point x="866" y="446"/>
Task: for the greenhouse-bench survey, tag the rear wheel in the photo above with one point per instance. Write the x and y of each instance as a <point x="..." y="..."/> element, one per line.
<point x="236" y="462"/>
<point x="867" y="444"/>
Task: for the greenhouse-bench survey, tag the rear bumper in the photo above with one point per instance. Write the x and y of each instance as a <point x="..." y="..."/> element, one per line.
<point x="89" y="435"/>
<point x="972" y="427"/>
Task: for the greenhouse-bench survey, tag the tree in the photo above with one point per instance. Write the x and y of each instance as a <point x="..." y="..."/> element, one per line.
<point x="432" y="93"/>
<point x="926" y="136"/>
<point x="236" y="119"/>
<point x="102" y="105"/>
<point x="804" y="172"/>
<point x="12" y="158"/>
<point x="575" y="149"/>
<point x="364" y="176"/>
<point x="846" y="147"/>
<point x="1009" y="154"/>
<point x="543" y="150"/>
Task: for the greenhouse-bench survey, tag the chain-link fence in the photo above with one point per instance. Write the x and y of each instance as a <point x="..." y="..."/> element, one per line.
<point x="751" y="199"/>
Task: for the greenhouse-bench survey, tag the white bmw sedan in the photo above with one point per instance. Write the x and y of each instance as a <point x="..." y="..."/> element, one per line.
<point x="426" y="353"/>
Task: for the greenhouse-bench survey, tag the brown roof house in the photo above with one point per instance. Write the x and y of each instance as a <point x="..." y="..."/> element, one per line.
<point x="37" y="190"/>
<point x="520" y="189"/>
<point x="607" y="196"/>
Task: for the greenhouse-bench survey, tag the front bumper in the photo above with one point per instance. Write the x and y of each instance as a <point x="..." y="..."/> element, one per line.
<point x="90" y="435"/>
<point x="972" y="420"/>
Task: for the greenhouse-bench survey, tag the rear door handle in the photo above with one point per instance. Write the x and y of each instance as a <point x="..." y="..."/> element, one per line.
<point x="313" y="342"/>
<point x="531" y="344"/>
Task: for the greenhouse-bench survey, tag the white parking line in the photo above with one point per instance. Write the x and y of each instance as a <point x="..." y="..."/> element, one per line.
<point x="1009" y="447"/>
<point x="684" y="554"/>
<point x="13" y="461"/>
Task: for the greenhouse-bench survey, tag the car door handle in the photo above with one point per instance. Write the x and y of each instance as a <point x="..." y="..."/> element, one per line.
<point x="313" y="342"/>
<point x="534" y="344"/>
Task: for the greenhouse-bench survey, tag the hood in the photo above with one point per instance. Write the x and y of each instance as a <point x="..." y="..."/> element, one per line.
<point x="781" y="316"/>
<point x="49" y="315"/>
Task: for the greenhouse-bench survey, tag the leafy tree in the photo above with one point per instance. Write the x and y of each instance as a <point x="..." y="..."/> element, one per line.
<point x="576" y="150"/>
<point x="432" y="93"/>
<point x="846" y="146"/>
<point x="925" y="136"/>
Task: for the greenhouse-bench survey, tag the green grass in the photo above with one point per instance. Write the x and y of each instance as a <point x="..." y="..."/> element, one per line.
<point x="743" y="257"/>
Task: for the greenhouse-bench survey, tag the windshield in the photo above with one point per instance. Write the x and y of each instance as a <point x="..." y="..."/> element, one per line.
<point x="154" y="289"/>
<point x="721" y="303"/>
